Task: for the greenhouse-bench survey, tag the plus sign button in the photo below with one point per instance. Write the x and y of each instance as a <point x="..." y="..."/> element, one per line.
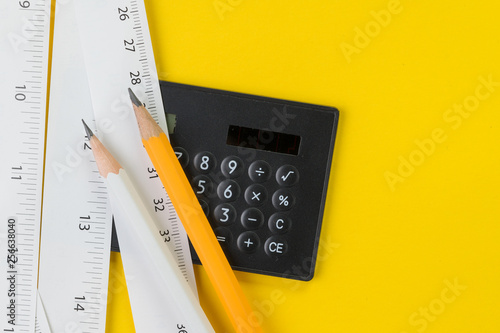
<point x="248" y="242"/>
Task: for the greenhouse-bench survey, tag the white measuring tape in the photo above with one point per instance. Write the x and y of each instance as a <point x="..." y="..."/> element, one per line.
<point x="118" y="55"/>
<point x="76" y="220"/>
<point x="24" y="43"/>
<point x="76" y="229"/>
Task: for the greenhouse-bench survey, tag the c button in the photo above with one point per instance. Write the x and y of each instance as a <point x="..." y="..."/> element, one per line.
<point x="279" y="223"/>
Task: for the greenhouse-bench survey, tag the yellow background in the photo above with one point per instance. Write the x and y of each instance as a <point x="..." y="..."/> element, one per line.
<point x="388" y="251"/>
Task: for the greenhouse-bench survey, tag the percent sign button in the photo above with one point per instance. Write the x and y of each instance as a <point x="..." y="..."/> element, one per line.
<point x="283" y="199"/>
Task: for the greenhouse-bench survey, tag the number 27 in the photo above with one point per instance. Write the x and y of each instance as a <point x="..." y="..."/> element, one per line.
<point x="126" y="43"/>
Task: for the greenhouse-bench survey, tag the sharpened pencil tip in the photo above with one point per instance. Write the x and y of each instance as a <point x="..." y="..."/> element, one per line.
<point x="88" y="130"/>
<point x="134" y="98"/>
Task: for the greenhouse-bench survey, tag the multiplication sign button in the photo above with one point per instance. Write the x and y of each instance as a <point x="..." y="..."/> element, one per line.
<point x="255" y="195"/>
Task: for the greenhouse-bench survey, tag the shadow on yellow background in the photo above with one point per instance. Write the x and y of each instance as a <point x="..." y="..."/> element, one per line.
<point x="410" y="238"/>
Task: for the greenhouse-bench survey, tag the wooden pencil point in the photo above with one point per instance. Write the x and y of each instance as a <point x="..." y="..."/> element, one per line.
<point x="147" y="125"/>
<point x="106" y="163"/>
<point x="88" y="130"/>
<point x="134" y="98"/>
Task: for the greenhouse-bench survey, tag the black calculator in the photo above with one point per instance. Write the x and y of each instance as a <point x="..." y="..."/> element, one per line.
<point x="259" y="167"/>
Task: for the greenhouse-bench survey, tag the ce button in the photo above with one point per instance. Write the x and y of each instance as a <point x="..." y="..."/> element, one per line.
<point x="275" y="246"/>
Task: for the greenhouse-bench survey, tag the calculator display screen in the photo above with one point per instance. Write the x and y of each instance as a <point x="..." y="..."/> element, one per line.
<point x="263" y="140"/>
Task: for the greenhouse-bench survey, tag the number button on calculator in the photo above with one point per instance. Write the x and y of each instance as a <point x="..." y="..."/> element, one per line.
<point x="225" y="214"/>
<point x="204" y="162"/>
<point x="232" y="167"/>
<point x="202" y="185"/>
<point x="228" y="190"/>
<point x="182" y="156"/>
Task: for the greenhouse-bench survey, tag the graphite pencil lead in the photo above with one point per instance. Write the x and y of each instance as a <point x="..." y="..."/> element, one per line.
<point x="134" y="98"/>
<point x="147" y="125"/>
<point x="88" y="130"/>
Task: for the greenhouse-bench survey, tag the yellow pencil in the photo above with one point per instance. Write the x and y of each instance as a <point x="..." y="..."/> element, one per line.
<point x="143" y="225"/>
<point x="194" y="221"/>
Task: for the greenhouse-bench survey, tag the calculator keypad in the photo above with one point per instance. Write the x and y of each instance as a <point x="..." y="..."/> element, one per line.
<point x="242" y="220"/>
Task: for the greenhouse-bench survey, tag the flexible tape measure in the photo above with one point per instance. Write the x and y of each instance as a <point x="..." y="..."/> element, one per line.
<point x="116" y="46"/>
<point x="76" y="219"/>
<point x="89" y="82"/>
<point x="118" y="55"/>
<point x="25" y="45"/>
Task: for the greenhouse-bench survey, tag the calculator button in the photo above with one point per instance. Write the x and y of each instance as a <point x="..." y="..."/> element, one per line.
<point x="283" y="199"/>
<point x="223" y="235"/>
<point x="279" y="223"/>
<point x="252" y="218"/>
<point x="228" y="190"/>
<point x="182" y="156"/>
<point x="287" y="175"/>
<point x="225" y="214"/>
<point x="275" y="246"/>
<point x="204" y="206"/>
<point x="255" y="195"/>
<point x="248" y="242"/>
<point x="259" y="171"/>
<point x="202" y="185"/>
<point x="232" y="167"/>
<point x="204" y="162"/>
